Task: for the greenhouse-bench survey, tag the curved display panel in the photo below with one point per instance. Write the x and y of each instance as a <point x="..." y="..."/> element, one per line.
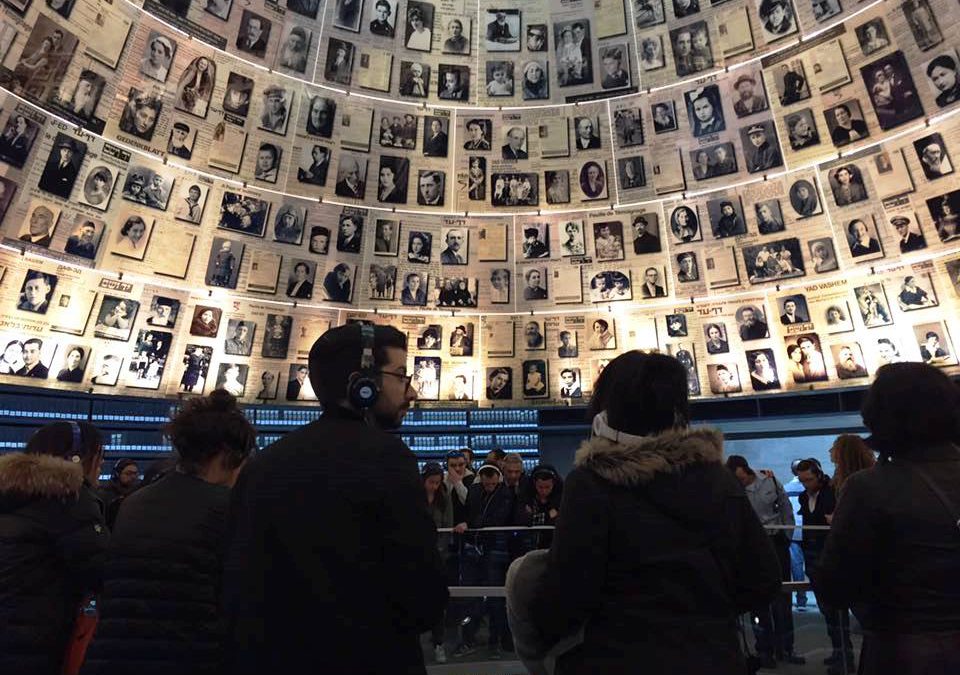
<point x="191" y="193"/>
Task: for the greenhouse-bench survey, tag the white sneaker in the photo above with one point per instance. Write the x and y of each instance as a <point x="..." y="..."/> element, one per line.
<point x="439" y="655"/>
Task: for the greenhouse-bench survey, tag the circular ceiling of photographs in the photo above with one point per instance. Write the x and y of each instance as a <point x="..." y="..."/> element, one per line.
<point x="192" y="191"/>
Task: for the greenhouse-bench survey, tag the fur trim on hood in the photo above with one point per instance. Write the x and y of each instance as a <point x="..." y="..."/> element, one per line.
<point x="639" y="461"/>
<point x="44" y="476"/>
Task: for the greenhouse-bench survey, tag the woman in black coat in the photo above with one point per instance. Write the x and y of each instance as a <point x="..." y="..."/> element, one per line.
<point x="657" y="550"/>
<point x="159" y="612"/>
<point x="893" y="551"/>
<point x="52" y="544"/>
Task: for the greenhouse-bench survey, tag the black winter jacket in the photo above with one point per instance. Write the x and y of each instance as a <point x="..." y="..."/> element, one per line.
<point x="333" y="563"/>
<point x="893" y="553"/>
<point x="658" y="550"/>
<point x="496" y="509"/>
<point x="52" y="544"/>
<point x="159" y="611"/>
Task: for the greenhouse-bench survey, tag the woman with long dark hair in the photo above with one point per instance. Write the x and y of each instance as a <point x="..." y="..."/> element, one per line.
<point x="53" y="539"/>
<point x="658" y="550"/>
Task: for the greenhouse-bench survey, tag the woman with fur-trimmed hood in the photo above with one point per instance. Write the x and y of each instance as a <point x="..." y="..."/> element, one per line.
<point x="53" y="541"/>
<point x="658" y="550"/>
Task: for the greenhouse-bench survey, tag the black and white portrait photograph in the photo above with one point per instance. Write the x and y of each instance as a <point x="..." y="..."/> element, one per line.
<point x="935" y="345"/>
<point x="515" y="189"/>
<point x="338" y="66"/>
<point x="862" y="238"/>
<point x="534" y="283"/>
<point x="254" y="34"/>
<point x="25" y="356"/>
<point x="163" y="312"/>
<point x="453" y="82"/>
<point x="646" y="233"/>
<point x="276" y="103"/>
<point x="631" y="173"/>
<point x="338" y="283"/>
<point x="872" y="36"/>
<point x="499" y="385"/>
<point x="244" y="214"/>
<point x="457" y="34"/>
<point x="499" y="78"/>
<point x="188" y="204"/>
<point x="479" y="133"/>
<point x="386" y="237"/>
<point x="838" y="317"/>
<point x="288" y="224"/>
<point x="535" y="379"/>
<point x="942" y="79"/>
<point x="17" y="139"/>
<point x="726" y="217"/>
<point x="558" y="186"/>
<point x="206" y="321"/>
<point x="435" y="136"/>
<point x="716" y="339"/>
<point x="267" y="162"/>
<point x="923" y="23"/>
<point x="319" y="239"/>
<point x="534" y="335"/>
<point x="704" y="110"/>
<point x="140" y="114"/>
<point x="651" y="53"/>
<point x="301" y="278"/>
<point x="456" y="249"/>
<point x="823" y="256"/>
<point x="748" y="94"/>
<point x="148" y="359"/>
<point x="593" y="181"/>
<point x="917" y="292"/>
<point x="314" y="166"/>
<point x="221" y="10"/>
<point x="791" y="81"/>
<point x="430" y="187"/>
<point x="676" y="325"/>
<point x="910" y="237"/>
<point x="414" y="79"/>
<point x="397" y="131"/>
<point x="62" y="165"/>
<point x="769" y="216"/>
<point x="628" y="127"/>
<point x="418" y="31"/>
<point x="610" y="286"/>
<point x="572" y="242"/>
<point x="763" y="369"/>
<point x="802" y="131"/>
<point x="515" y="144"/>
<point x="846" y="184"/>
<point x="85" y="97"/>
<point x="892" y="91"/>
<point x="615" y="66"/>
<point x="383" y="282"/>
<point x="131" y="238"/>
<point x="106" y="369"/>
<point x="873" y="305"/>
<point x="299" y="387"/>
<point x="772" y="261"/>
<point x="195" y="86"/>
<point x="223" y="265"/>
<point x="574" y="54"/>
<point x="848" y="358"/>
<point x="776" y="19"/>
<point x="845" y="123"/>
<point x="534" y="80"/>
<point x="414" y="293"/>
<point x="276" y="338"/>
<point x="36" y="291"/>
<point x="232" y="378"/>
<point x="351" y="176"/>
<point x="793" y="309"/>
<point x="688" y="269"/>
<point x="430" y="338"/>
<point x="724" y="378"/>
<point x="419" y="246"/>
<point x="461" y="340"/>
<point x="608" y="240"/>
<point x="85" y="236"/>
<point x="603" y="334"/>
<point x="805" y="359"/>
<point x="502" y="30"/>
<point x="294" y="48"/>
<point x="692" y="52"/>
<point x="98" y="186"/>
<point x="181" y="140"/>
<point x="685" y="225"/>
<point x="570" y="383"/>
<point x="932" y="152"/>
<point x="347" y="14"/>
<point x="761" y="148"/>
<point x="158" y="55"/>
<point x="685" y="8"/>
<point x="945" y="212"/>
<point x="115" y="318"/>
<point x="477" y="179"/>
<point x="653" y="284"/>
<point x="38" y="227"/>
<point x="350" y="232"/>
<point x="751" y="323"/>
<point x="392" y="182"/>
<point x="456" y="292"/>
<point x="804" y="199"/>
<point x="664" y="117"/>
<point x="536" y="240"/>
<point x="45" y="58"/>
<point x="148" y="185"/>
<point x="713" y="161"/>
<point x="825" y="9"/>
<point x="568" y="347"/>
<point x="75" y="359"/>
<point x="321" y="114"/>
<point x="426" y="377"/>
<point x="648" y="13"/>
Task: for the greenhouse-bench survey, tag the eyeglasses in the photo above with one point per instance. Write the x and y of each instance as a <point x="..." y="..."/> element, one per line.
<point x="408" y="379"/>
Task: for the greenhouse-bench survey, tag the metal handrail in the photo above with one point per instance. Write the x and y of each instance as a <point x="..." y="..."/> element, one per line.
<point x="511" y="528"/>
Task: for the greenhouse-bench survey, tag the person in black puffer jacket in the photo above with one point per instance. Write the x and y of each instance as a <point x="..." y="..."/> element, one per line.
<point x="53" y="539"/>
<point x="657" y="550"/>
<point x="159" y="612"/>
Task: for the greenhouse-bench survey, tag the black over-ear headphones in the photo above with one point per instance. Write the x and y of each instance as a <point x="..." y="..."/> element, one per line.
<point x="364" y="390"/>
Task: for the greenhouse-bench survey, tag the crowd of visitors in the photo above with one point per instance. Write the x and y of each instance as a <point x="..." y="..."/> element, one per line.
<point x="323" y="548"/>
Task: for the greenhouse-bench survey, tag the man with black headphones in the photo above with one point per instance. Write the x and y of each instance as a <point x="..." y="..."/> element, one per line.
<point x="333" y="556"/>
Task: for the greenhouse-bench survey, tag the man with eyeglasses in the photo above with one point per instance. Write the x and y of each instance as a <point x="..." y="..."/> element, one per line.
<point x="331" y="549"/>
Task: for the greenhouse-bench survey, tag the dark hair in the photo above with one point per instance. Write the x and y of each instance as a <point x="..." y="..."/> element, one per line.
<point x="898" y="413"/>
<point x="942" y="61"/>
<point x="131" y="221"/>
<point x="337" y="353"/>
<point x="735" y="462"/>
<point x="56" y="439"/>
<point x="814" y="467"/>
<point x="206" y="427"/>
<point x="642" y="394"/>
